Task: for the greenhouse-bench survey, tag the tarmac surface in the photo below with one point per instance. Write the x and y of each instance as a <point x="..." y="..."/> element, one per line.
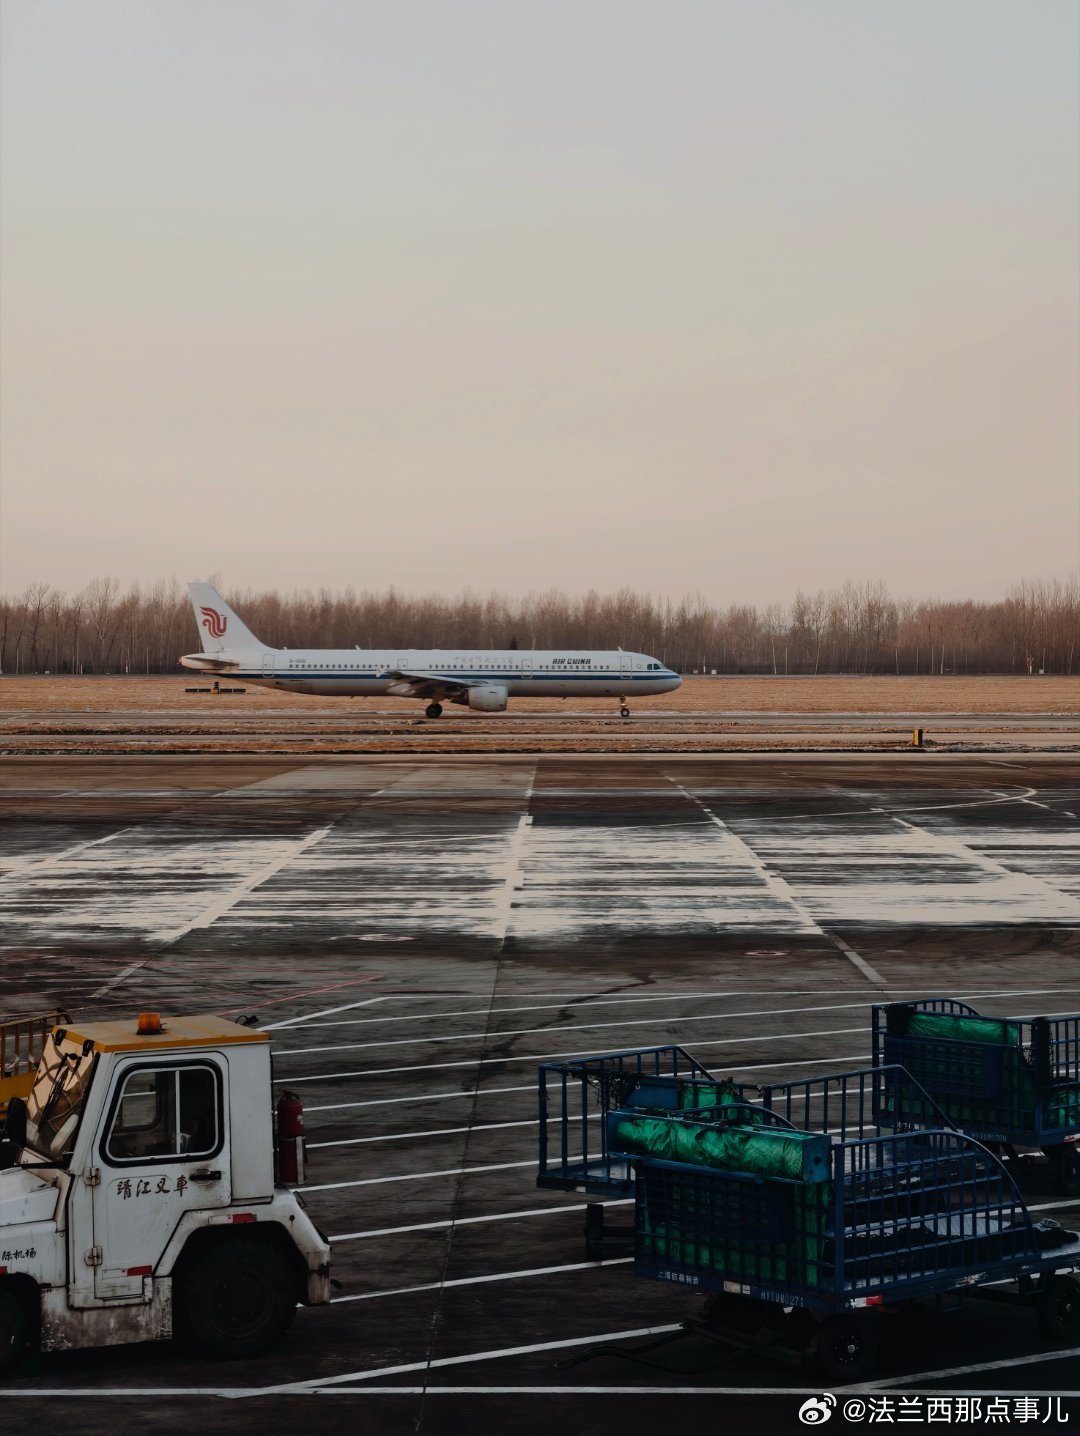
<point x="224" y="723"/>
<point x="421" y="933"/>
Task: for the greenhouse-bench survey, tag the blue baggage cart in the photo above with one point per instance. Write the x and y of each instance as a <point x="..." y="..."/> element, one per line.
<point x="1012" y="1082"/>
<point x="575" y="1098"/>
<point x="807" y="1209"/>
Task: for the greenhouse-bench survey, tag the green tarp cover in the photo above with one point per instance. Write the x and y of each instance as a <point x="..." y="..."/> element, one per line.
<point x="963" y="1029"/>
<point x="695" y="1096"/>
<point x="766" y="1152"/>
<point x="1014" y="1107"/>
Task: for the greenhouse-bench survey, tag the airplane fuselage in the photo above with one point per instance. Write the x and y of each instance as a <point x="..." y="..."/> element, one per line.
<point x="351" y="672"/>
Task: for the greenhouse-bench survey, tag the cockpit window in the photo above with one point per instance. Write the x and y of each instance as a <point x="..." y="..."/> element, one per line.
<point x="55" y="1104"/>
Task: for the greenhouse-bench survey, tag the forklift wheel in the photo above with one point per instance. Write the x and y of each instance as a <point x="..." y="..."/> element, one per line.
<point x="1057" y="1307"/>
<point x="846" y="1345"/>
<point x="236" y="1298"/>
<point x="14" y="1330"/>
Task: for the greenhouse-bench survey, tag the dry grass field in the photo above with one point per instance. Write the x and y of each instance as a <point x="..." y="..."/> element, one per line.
<point x="63" y="696"/>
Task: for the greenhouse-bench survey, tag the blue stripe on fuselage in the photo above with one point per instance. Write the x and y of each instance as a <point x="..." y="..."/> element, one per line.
<point x="435" y="677"/>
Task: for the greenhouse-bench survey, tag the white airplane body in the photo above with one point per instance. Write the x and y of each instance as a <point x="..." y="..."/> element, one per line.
<point x="480" y="679"/>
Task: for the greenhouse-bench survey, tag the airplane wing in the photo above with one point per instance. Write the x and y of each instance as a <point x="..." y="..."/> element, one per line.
<point x="424" y="685"/>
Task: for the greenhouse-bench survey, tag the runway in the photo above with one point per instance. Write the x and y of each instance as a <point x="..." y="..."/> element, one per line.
<point x="421" y="933"/>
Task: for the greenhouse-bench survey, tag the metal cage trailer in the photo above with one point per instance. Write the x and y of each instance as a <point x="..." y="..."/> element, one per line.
<point x="576" y="1097"/>
<point x="804" y="1219"/>
<point x="1012" y="1082"/>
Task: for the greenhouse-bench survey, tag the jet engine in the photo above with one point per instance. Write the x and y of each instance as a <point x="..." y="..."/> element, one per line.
<point x="488" y="697"/>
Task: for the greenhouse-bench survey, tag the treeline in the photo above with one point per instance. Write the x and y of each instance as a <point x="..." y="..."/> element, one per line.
<point x="856" y="628"/>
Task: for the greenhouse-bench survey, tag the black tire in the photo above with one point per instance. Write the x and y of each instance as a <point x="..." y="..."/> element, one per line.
<point x="624" y="712"/>
<point x="236" y="1298"/>
<point x="14" y="1329"/>
<point x="1057" y="1308"/>
<point x="1067" y="1173"/>
<point x="846" y="1346"/>
<point x="434" y="710"/>
<point x="594" y="1232"/>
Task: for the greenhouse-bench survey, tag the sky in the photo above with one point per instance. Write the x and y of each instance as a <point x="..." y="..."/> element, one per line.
<point x="734" y="297"/>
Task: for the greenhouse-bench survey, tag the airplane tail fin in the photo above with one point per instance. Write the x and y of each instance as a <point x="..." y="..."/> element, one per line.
<point x="219" y="627"/>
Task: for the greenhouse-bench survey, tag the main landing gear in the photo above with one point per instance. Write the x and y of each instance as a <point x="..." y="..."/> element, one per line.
<point x="433" y="710"/>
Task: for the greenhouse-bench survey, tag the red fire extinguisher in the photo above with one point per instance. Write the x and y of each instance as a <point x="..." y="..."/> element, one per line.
<point x="290" y="1142"/>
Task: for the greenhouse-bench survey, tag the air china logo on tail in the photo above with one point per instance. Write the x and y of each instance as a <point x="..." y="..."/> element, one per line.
<point x="215" y="623"/>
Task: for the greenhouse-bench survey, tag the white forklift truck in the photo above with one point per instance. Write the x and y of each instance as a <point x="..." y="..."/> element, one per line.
<point x="142" y="1201"/>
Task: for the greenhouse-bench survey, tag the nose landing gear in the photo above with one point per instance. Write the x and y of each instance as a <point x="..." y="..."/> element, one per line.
<point x="624" y="711"/>
<point x="433" y="710"/>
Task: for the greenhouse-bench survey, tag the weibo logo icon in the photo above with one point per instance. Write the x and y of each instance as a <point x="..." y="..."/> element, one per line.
<point x="215" y="623"/>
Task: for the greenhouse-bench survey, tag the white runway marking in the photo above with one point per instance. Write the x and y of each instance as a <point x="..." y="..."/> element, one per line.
<point x="20" y="867"/>
<point x="573" y="1027"/>
<point x="470" y="1092"/>
<point x="142" y="882"/>
<point x="418" y="1176"/>
<point x="289" y="853"/>
<point x="714" y="995"/>
<point x="237" y="1392"/>
<point x="474" y="1221"/>
<point x="779" y="889"/>
<point x="943" y="1372"/>
<point x="668" y="1391"/>
<point x="482" y="1280"/>
<point x="326" y="1011"/>
<point x="500" y="919"/>
<point x="324" y="1382"/>
<point x="870" y="973"/>
<point x="405" y="873"/>
<point x="437" y="1132"/>
<point x="557" y="1056"/>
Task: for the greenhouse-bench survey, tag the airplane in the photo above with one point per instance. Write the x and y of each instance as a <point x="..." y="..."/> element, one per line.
<point x="483" y="681"/>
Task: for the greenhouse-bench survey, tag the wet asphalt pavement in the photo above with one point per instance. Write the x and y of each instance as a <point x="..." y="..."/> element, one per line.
<point x="421" y="932"/>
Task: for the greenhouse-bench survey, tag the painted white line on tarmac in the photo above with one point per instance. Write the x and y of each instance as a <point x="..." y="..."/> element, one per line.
<point x="636" y="1022"/>
<point x="437" y="1132"/>
<point x="481" y="1280"/>
<point x="31" y="867"/>
<point x="578" y="1000"/>
<point x="713" y="1391"/>
<point x="948" y="1371"/>
<point x="120" y="977"/>
<point x="752" y="1067"/>
<point x="229" y="899"/>
<point x="553" y="1056"/>
<point x="420" y="1176"/>
<point x="475" y="1221"/>
<point x="321" y="1384"/>
<point x="870" y="973"/>
<point x="573" y="1027"/>
<point x="714" y="995"/>
<point x="784" y="892"/>
<point x="1035" y="887"/>
<point x="504" y="904"/>
<point x="781" y="890"/>
<point x="311" y="1016"/>
<point x="234" y="1392"/>
<point x="434" y="1097"/>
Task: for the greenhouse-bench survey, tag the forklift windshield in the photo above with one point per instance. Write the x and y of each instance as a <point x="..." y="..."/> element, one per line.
<point x="55" y="1103"/>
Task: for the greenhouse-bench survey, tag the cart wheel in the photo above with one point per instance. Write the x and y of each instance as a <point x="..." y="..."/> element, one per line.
<point x="594" y="1232"/>
<point x="847" y="1345"/>
<point x="1067" y="1174"/>
<point x="1057" y="1308"/>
